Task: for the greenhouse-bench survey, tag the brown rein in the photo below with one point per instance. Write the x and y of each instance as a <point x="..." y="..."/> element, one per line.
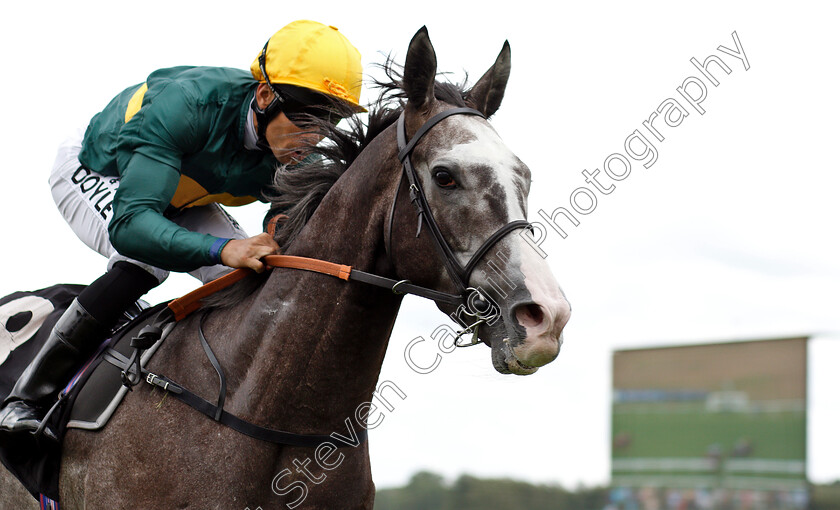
<point x="191" y="302"/>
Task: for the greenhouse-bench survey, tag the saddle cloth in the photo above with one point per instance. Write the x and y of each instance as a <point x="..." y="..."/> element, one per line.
<point x="88" y="401"/>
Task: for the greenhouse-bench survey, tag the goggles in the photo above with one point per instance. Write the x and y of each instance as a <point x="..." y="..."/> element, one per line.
<point x="298" y="103"/>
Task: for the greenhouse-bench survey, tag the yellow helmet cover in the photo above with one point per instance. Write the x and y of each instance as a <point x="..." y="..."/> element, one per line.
<point x="315" y="56"/>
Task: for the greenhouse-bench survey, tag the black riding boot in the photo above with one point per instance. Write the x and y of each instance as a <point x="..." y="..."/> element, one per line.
<point x="69" y="345"/>
<point x="72" y="341"/>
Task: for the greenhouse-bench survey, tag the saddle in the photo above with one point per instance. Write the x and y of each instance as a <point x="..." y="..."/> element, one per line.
<point x="28" y="319"/>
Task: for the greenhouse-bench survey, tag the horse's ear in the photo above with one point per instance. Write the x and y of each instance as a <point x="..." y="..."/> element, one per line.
<point x="487" y="94"/>
<point x="420" y="70"/>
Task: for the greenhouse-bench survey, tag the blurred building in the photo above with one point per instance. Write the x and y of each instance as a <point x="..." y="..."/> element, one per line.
<point x="715" y="426"/>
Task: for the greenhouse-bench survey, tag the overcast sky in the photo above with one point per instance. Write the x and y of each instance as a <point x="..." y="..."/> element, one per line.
<point x="729" y="234"/>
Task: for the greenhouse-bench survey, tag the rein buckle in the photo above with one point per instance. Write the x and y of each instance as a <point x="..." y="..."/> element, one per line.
<point x="479" y="309"/>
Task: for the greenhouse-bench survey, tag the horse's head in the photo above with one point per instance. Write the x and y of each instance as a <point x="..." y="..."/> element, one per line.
<point x="476" y="190"/>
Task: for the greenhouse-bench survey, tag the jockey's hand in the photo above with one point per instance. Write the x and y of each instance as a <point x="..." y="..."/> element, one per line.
<point x="248" y="252"/>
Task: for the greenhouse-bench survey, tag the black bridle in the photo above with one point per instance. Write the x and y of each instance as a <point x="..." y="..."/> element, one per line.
<point x="474" y="308"/>
<point x="475" y="305"/>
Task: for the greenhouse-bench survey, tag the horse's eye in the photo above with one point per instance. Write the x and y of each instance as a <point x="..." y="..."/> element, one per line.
<point x="444" y="179"/>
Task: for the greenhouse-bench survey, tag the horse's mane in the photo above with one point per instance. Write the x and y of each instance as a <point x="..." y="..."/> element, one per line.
<point x="297" y="192"/>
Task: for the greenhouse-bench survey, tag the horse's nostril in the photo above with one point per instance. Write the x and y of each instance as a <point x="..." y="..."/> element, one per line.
<point x="530" y="315"/>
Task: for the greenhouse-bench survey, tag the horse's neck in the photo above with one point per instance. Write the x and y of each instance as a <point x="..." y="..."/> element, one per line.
<point x="316" y="342"/>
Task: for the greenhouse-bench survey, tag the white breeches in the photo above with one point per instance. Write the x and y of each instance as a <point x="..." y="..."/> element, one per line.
<point x="84" y="199"/>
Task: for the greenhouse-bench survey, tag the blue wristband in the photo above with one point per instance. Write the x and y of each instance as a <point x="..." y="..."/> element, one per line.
<point x="216" y="250"/>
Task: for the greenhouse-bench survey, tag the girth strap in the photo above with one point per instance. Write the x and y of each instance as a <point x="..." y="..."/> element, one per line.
<point x="225" y="418"/>
<point x="220" y="405"/>
<point x="249" y="429"/>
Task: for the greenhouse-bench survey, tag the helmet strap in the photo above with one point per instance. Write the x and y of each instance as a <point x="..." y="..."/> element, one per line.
<point x="267" y="114"/>
<point x="264" y="116"/>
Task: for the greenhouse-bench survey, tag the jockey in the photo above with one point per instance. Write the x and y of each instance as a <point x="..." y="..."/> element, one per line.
<point x="143" y="185"/>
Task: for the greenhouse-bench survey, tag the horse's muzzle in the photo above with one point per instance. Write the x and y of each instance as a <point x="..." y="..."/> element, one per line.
<point x="543" y="325"/>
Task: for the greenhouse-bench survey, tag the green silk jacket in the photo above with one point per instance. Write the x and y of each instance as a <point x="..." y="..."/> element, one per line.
<point x="176" y="141"/>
